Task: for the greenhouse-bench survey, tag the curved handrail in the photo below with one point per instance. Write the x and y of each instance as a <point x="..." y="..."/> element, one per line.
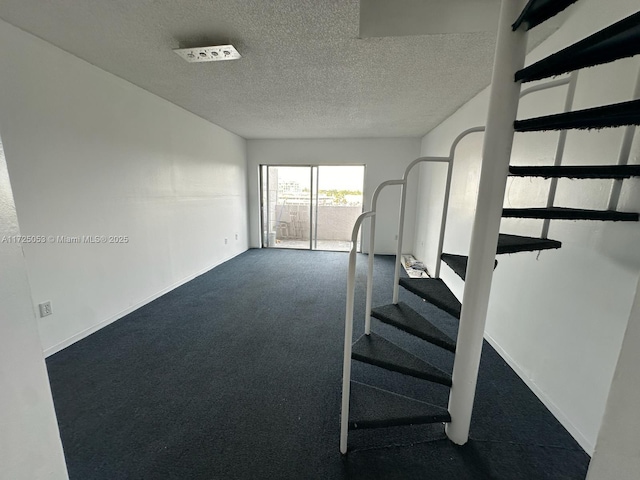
<point x="403" y="202"/>
<point x="348" y="334"/>
<point x="348" y="331"/>
<point x="545" y="86"/>
<point x="423" y="159"/>
<point x="536" y="88"/>
<point x="570" y="80"/>
<point x="460" y="137"/>
<point x="372" y="237"/>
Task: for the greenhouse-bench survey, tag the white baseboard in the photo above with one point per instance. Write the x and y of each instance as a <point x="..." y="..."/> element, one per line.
<point x="553" y="408"/>
<point x="85" y="333"/>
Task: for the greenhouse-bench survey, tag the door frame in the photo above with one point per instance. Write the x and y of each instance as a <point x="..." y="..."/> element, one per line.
<point x="314" y="168"/>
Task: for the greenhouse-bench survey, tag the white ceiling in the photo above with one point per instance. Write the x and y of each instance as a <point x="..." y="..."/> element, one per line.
<point x="304" y="72"/>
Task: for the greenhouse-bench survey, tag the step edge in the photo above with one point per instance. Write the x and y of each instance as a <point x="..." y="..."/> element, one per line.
<point x="451" y="347"/>
<point x="441" y="377"/>
<point x="433" y="301"/>
<point x="442" y="415"/>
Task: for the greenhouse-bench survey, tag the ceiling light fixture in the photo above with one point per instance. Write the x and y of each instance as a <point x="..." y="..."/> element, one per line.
<point x="208" y="54"/>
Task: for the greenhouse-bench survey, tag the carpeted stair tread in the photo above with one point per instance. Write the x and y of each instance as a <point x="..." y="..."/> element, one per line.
<point x="372" y="407"/>
<point x="516" y="243"/>
<point x="378" y="351"/>
<point x="616" y="115"/>
<point x="434" y="291"/>
<point x="539" y="11"/>
<point x="619" y="40"/>
<point x="576" y="171"/>
<point x="560" y="213"/>
<point x="458" y="263"/>
<point x="405" y="318"/>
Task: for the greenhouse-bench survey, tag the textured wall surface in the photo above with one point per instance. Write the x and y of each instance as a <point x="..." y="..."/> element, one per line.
<point x="92" y="155"/>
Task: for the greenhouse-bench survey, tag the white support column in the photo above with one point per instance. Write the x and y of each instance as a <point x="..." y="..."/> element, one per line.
<point x="503" y="107"/>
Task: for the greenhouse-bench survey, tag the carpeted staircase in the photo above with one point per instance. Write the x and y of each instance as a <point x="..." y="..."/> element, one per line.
<point x="371" y="407"/>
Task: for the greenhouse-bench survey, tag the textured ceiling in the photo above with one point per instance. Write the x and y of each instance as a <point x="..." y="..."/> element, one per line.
<point x="304" y="72"/>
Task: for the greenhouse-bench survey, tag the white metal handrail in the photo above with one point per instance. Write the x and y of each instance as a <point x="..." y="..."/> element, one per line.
<point x="569" y="80"/>
<point x="372" y="237"/>
<point x="348" y="331"/>
<point x="350" y="300"/>
<point x="403" y="202"/>
<point x="545" y="86"/>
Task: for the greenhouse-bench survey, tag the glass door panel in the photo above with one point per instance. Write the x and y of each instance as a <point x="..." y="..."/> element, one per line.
<point x="339" y="203"/>
<point x="287" y="209"/>
<point x="310" y="207"/>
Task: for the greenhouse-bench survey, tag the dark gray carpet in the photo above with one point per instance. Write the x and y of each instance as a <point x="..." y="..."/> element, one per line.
<point x="236" y="375"/>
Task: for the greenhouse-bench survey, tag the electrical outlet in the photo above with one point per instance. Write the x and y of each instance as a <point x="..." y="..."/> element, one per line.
<point x="45" y="309"/>
<point x="225" y="241"/>
<point x="236" y="236"/>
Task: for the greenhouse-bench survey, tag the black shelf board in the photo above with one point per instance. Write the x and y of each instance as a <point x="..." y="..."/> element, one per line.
<point x="516" y="243"/>
<point x="616" y="115"/>
<point x="407" y="319"/>
<point x="620" y="40"/>
<point x="376" y="350"/>
<point x="372" y="407"/>
<point x="559" y="213"/>
<point x="539" y="11"/>
<point x="576" y="171"/>
<point x="458" y="263"/>
<point x="434" y="291"/>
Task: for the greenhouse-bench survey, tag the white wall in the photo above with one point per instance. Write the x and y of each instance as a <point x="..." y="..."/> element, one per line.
<point x="91" y="154"/>
<point x="385" y="159"/>
<point x="30" y="447"/>
<point x="617" y="454"/>
<point x="559" y="318"/>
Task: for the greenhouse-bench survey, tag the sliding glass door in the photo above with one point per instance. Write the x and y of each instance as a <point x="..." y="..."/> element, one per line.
<point x="287" y="206"/>
<point x="310" y="207"/>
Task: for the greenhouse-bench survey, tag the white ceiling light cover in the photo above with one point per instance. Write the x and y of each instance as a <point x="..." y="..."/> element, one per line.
<point x="208" y="54"/>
